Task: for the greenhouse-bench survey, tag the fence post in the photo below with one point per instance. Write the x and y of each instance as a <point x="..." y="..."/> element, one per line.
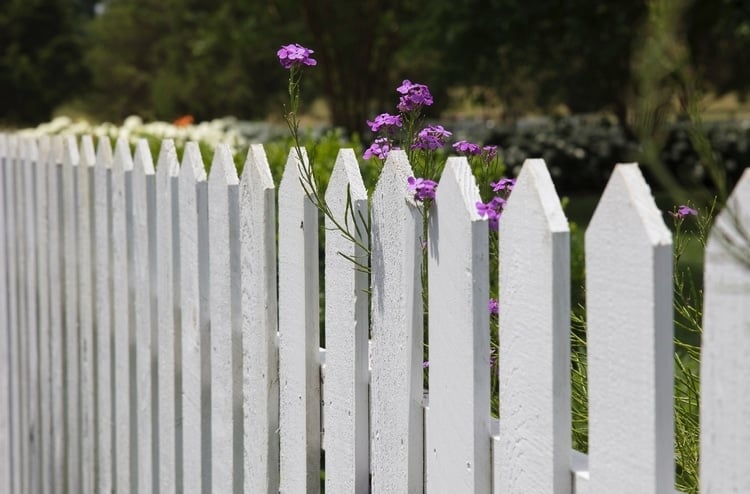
<point x="299" y="334"/>
<point x="6" y="424"/>
<point x="457" y="421"/>
<point x="102" y="184"/>
<point x="533" y="451"/>
<point x="346" y="417"/>
<point x="629" y="330"/>
<point x="725" y="368"/>
<point x="259" y="324"/>
<point x="193" y="197"/>
<point x="396" y="389"/>
<point x="224" y="289"/>
<point x="167" y="269"/>
<point x="125" y="460"/>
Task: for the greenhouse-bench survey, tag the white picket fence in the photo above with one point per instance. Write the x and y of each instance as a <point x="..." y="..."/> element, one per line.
<point x="158" y="335"/>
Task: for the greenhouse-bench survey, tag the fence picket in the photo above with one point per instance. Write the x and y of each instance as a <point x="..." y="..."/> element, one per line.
<point x="6" y="425"/>
<point x="299" y="337"/>
<point x="259" y="324"/>
<point x="104" y="323"/>
<point x="223" y="231"/>
<point x="457" y="422"/>
<point x="396" y="381"/>
<point x="168" y="290"/>
<point x="144" y="271"/>
<point x="725" y="370"/>
<point x="122" y="272"/>
<point x="629" y="330"/>
<point x="534" y="321"/>
<point x="193" y="196"/>
<point x="57" y="313"/>
<point x="85" y="192"/>
<point x="346" y="391"/>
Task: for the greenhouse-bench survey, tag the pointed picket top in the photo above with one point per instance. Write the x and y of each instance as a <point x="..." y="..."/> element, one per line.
<point x="293" y="173"/>
<point x="345" y="404"/>
<point x="725" y="368"/>
<point x="457" y="422"/>
<point x="256" y="167"/>
<point x="396" y="383"/>
<point x="45" y="144"/>
<point x="629" y="331"/>
<point x="30" y="150"/>
<point x="533" y="449"/>
<point x="167" y="164"/>
<point x="104" y="153"/>
<point x="88" y="155"/>
<point x="192" y="169"/>
<point x="143" y="164"/>
<point x="123" y="160"/>
<point x="223" y="172"/>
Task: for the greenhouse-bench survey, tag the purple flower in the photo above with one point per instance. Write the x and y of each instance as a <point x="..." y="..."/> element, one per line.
<point x="425" y="364"/>
<point x="467" y="148"/>
<point x="431" y="137"/>
<point x="489" y="152"/>
<point x="423" y="188"/>
<point x="494" y="307"/>
<point x="504" y="184"/>
<point x="413" y="96"/>
<point x="380" y="149"/>
<point x="295" y="55"/>
<point x="683" y="211"/>
<point x="385" y="120"/>
<point x="492" y="210"/>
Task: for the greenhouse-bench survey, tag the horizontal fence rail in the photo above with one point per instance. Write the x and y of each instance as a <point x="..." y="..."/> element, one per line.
<point x="160" y="331"/>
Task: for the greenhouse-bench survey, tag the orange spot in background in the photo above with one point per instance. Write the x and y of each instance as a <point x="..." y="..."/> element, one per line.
<point x="184" y="121"/>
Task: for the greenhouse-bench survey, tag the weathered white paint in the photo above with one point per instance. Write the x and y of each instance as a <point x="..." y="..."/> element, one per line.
<point x="629" y="331"/>
<point x="168" y="290"/>
<point x="534" y="324"/>
<point x="457" y="422"/>
<point x="223" y="246"/>
<point x="45" y="377"/>
<point x="725" y="369"/>
<point x="71" y="332"/>
<point x="299" y="336"/>
<point x="193" y="223"/>
<point x="104" y="316"/>
<point x="85" y="208"/>
<point x="144" y="270"/>
<point x="6" y="426"/>
<point x="56" y="275"/>
<point x="122" y="226"/>
<point x="259" y="324"/>
<point x="396" y="379"/>
<point x="346" y="418"/>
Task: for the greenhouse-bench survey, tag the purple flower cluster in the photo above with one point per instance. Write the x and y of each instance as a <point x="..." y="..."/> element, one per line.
<point x="503" y="185"/>
<point x="494" y="307"/>
<point x="413" y="96"/>
<point x="379" y="149"/>
<point x="492" y="210"/>
<point x="489" y="153"/>
<point x="683" y="211"/>
<point x="467" y="148"/>
<point x="423" y="188"/>
<point x="295" y="55"/>
<point x="431" y="137"/>
<point x="385" y="120"/>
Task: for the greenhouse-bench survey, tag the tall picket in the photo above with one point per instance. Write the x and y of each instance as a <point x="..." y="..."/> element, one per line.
<point x="259" y="324"/>
<point x="299" y="337"/>
<point x="193" y="197"/>
<point x="85" y="212"/>
<point x="144" y="272"/>
<point x="346" y="418"/>
<point x="396" y="380"/>
<point x="629" y="331"/>
<point x="725" y="369"/>
<point x="457" y="422"/>
<point x="168" y="288"/>
<point x="122" y="273"/>
<point x="6" y="425"/>
<point x="532" y="453"/>
<point x="57" y="314"/>
<point x="224" y="284"/>
<point x="104" y="324"/>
